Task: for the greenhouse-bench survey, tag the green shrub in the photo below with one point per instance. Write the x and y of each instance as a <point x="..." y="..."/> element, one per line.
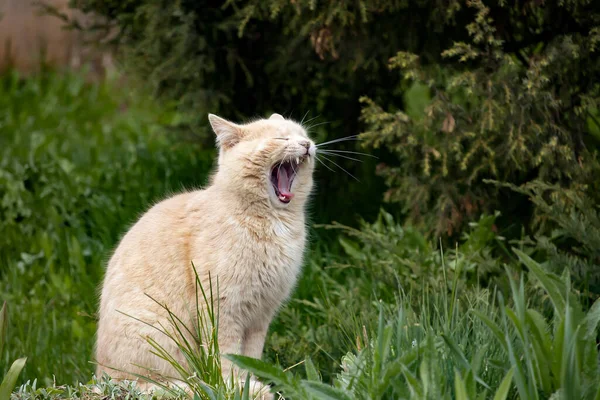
<point x="486" y="89"/>
<point x="515" y="101"/>
<point x="568" y="237"/>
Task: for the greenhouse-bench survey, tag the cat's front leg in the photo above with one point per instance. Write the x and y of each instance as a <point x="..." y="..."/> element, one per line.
<point x="231" y="341"/>
<point x="254" y="340"/>
<point x="230" y="338"/>
<point x="252" y="346"/>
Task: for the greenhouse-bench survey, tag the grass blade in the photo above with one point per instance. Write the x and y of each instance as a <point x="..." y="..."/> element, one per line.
<point x="504" y="387"/>
<point x="3" y="325"/>
<point x="459" y="387"/>
<point x="494" y="327"/>
<point x="8" y="384"/>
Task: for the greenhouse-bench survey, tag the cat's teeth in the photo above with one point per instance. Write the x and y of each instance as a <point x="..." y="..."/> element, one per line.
<point x="297" y="160"/>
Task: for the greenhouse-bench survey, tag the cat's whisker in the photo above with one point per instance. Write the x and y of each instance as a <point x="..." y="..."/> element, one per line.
<point x="353" y="137"/>
<point x="308" y="128"/>
<point x="340" y="155"/>
<point x="325" y="165"/>
<point x="349" y="152"/>
<point x="312" y="119"/>
<point x="339" y="166"/>
<point x="304" y="117"/>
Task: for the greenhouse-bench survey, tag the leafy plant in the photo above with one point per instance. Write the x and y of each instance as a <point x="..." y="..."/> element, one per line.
<point x="10" y="379"/>
<point x="506" y="104"/>
<point x="556" y="358"/>
<point x="509" y="350"/>
<point x="567" y="237"/>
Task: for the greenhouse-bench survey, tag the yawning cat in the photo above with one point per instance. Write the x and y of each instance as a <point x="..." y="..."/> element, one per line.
<point x="247" y="230"/>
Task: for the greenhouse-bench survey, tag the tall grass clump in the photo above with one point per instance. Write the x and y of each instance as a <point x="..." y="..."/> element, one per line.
<point x="197" y="362"/>
<point x="201" y="372"/>
<point x="468" y="345"/>
<point x="344" y="283"/>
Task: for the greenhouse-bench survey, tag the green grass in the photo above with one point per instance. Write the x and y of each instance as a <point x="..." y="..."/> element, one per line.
<point x="381" y="312"/>
<point x="78" y="163"/>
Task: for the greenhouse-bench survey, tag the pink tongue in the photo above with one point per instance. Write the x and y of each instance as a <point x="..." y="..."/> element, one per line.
<point x="283" y="184"/>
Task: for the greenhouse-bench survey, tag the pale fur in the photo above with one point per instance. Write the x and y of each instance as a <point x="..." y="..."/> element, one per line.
<point x="236" y="230"/>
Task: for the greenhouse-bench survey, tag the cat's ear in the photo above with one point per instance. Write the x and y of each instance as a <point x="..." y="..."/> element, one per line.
<point x="277" y="116"/>
<point x="228" y="133"/>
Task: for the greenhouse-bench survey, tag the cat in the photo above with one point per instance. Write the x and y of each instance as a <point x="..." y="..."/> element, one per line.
<point x="246" y="230"/>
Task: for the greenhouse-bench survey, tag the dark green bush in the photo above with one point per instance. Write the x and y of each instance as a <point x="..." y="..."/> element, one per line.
<point x="488" y="88"/>
<point x="569" y="233"/>
<point x="516" y="101"/>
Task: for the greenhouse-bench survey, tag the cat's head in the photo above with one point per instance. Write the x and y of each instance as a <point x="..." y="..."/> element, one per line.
<point x="269" y="159"/>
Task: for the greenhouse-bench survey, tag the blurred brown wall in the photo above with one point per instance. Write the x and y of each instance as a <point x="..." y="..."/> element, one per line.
<point x="28" y="38"/>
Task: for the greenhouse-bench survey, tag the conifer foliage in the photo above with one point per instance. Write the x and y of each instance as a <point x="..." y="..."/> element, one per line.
<point x="516" y="101"/>
<point x="452" y="92"/>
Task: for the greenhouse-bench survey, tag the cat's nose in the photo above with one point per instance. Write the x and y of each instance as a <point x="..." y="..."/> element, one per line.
<point x="305" y="144"/>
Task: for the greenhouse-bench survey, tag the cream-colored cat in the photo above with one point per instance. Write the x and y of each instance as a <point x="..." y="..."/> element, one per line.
<point x="247" y="229"/>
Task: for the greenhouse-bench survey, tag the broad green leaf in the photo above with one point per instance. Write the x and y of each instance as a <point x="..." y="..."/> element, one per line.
<point x="311" y="372"/>
<point x="477" y="359"/>
<point x="461" y="358"/>
<point x="542" y="347"/>
<point x="570" y="373"/>
<point x="517" y="323"/>
<point x="458" y="354"/>
<point x="391" y="374"/>
<point x="494" y="327"/>
<point x="384" y="338"/>
<point x="504" y="387"/>
<point x="424" y="372"/>
<point x="352" y="249"/>
<point x="523" y="384"/>
<point x="260" y="368"/>
<point x="539" y="326"/>
<point x="325" y="392"/>
<point x="413" y="383"/>
<point x="459" y="387"/>
<point x="558" y="348"/>
<point x="207" y="391"/>
<point x="555" y="294"/>
<point x="8" y="384"/>
<point x="591" y="320"/>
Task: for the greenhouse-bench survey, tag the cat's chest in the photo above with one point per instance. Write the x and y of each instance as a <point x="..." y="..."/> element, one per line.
<point x="267" y="263"/>
<point x="261" y="268"/>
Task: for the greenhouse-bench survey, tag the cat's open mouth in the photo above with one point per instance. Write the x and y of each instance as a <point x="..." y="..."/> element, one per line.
<point x="282" y="177"/>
